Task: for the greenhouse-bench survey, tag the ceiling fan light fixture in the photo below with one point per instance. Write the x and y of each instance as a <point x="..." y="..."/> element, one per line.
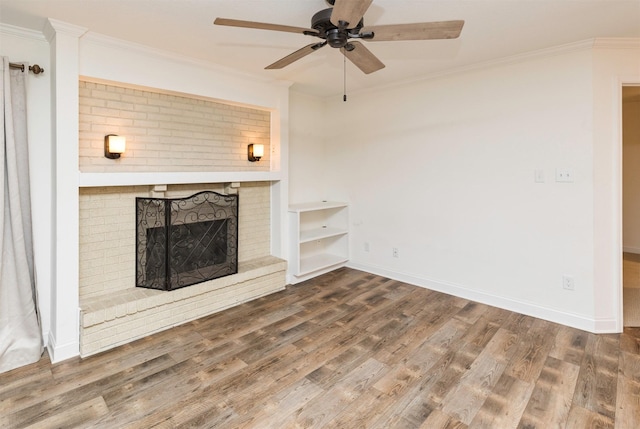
<point x="337" y="38"/>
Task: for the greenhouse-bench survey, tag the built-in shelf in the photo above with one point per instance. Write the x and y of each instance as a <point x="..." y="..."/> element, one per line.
<point x="319" y="238"/>
<point x="87" y="180"/>
<point x="319" y="262"/>
<point x="319" y="233"/>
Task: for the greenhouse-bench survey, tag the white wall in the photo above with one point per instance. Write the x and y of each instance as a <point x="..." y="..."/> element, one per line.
<point x="443" y="169"/>
<point x="30" y="46"/>
<point x="307" y="156"/>
<point x="631" y="175"/>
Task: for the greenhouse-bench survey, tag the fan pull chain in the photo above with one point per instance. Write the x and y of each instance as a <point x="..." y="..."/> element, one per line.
<point x="344" y="91"/>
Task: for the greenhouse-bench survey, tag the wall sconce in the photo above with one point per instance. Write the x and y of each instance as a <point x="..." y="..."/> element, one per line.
<point x="256" y="151"/>
<point x="114" y="146"/>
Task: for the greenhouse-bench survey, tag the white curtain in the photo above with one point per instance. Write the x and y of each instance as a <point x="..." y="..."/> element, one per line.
<point x="20" y="335"/>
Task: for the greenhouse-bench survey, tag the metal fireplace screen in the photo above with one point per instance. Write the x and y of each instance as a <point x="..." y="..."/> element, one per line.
<point x="184" y="241"/>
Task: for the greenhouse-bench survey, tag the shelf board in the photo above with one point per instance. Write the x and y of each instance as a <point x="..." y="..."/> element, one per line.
<point x="320" y="233"/>
<point x="319" y="262"/>
<point x="87" y="180"/>
<point x="319" y="205"/>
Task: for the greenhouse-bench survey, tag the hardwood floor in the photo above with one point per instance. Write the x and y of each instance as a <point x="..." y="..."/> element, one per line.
<point x="344" y="350"/>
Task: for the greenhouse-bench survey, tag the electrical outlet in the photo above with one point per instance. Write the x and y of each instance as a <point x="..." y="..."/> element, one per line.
<point x="568" y="283"/>
<point x="564" y="175"/>
<point x="395" y="252"/>
<point x="366" y="246"/>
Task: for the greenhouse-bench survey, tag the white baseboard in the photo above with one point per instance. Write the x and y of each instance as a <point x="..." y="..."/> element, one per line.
<point x="528" y="308"/>
<point x="292" y="279"/>
<point x="58" y="353"/>
<point x="631" y="249"/>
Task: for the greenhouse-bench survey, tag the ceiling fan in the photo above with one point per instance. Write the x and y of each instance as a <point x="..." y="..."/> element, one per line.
<point x="338" y="25"/>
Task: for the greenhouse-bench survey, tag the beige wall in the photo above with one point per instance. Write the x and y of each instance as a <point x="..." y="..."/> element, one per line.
<point x="168" y="132"/>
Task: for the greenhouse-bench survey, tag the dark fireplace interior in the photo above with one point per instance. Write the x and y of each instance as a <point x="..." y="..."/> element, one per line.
<point x="184" y="241"/>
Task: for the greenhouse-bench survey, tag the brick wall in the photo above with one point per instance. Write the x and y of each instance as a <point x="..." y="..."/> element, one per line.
<point x="167" y="132"/>
<point x="107" y="231"/>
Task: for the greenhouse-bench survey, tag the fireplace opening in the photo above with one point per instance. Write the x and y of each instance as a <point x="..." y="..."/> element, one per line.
<point x="184" y="241"/>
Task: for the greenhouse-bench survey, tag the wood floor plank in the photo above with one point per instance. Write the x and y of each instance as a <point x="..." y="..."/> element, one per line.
<point x="505" y="405"/>
<point x="360" y="414"/>
<point x="630" y="340"/>
<point x="628" y="393"/>
<point x="471" y="312"/>
<point x="347" y="349"/>
<point x="551" y="398"/>
<point x="453" y="368"/>
<point x="44" y="402"/>
<point x="532" y="352"/>
<point x="396" y="381"/>
<point x="273" y="411"/>
<point x="439" y="420"/>
<point x="329" y="404"/>
<point x="581" y="418"/>
<point x="464" y="401"/>
<point x="29" y="376"/>
<point x="569" y="345"/>
<point x="596" y="389"/>
<point x="415" y="395"/>
<point x="79" y="416"/>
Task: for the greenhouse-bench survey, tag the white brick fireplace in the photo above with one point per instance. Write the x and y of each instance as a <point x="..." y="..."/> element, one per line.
<point x="114" y="311"/>
<point x="173" y="143"/>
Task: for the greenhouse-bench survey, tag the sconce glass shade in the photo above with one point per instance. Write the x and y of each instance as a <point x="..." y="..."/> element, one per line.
<point x="114" y="146"/>
<point x="256" y="151"/>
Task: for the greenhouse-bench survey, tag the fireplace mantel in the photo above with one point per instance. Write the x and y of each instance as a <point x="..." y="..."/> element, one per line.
<point x="87" y="180"/>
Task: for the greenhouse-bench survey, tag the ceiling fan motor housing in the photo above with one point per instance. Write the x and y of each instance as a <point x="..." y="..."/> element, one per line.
<point x="335" y="36"/>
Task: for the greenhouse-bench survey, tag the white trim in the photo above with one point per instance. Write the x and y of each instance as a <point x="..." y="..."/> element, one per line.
<point x="616" y="43"/>
<point x="88" y="180"/>
<point x="293" y="279"/>
<point x="12" y="30"/>
<point x="54" y="26"/>
<point x="113" y="42"/>
<point x="618" y="184"/>
<point x="58" y="353"/>
<point x="513" y="59"/>
<point x="600" y="43"/>
<point x="569" y="319"/>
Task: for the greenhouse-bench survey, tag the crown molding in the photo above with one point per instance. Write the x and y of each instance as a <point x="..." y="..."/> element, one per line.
<point x="148" y="51"/>
<point x="617" y="43"/>
<point x="485" y="65"/>
<point x="588" y="44"/>
<point x="24" y="33"/>
<point x="54" y="26"/>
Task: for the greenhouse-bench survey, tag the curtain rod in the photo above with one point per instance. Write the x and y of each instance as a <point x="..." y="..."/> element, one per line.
<point x="36" y="69"/>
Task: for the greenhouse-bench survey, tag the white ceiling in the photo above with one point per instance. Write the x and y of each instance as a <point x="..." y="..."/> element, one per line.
<point x="493" y="29"/>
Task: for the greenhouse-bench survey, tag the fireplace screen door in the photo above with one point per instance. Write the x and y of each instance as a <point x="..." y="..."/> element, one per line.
<point x="184" y="241"/>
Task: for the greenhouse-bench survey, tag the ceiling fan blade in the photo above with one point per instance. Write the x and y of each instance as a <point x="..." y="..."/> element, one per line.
<point x="262" y="26"/>
<point x="300" y="53"/>
<point x="363" y="58"/>
<point x="349" y="11"/>
<point x="418" y="31"/>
